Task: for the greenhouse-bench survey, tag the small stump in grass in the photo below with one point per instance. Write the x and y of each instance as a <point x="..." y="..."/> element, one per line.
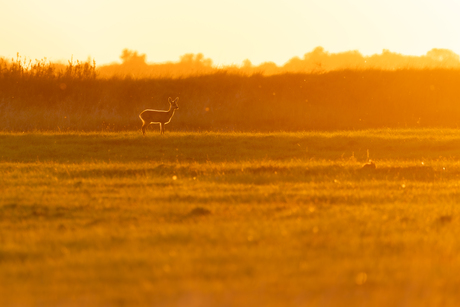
<point x="199" y="211"/>
<point x="369" y="166"/>
<point x="444" y="219"/>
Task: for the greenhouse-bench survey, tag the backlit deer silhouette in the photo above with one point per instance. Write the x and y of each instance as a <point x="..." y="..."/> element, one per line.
<point x="158" y="116"/>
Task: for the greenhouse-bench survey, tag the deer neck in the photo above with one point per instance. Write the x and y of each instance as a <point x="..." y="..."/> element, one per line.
<point x="171" y="111"/>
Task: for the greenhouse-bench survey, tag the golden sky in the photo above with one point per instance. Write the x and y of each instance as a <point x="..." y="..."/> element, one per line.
<point x="228" y="32"/>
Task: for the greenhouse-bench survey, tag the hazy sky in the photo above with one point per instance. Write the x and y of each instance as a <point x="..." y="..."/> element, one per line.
<point x="228" y="32"/>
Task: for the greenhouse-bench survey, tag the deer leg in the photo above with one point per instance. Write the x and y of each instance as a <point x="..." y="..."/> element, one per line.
<point x="161" y="128"/>
<point x="144" y="126"/>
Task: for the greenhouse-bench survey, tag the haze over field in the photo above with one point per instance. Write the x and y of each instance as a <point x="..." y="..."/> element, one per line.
<point x="312" y="160"/>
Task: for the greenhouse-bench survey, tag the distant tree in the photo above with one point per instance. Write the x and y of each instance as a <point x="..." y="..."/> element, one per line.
<point x="295" y="65"/>
<point x="443" y="55"/>
<point x="268" y="68"/>
<point x="247" y="64"/>
<point x="132" y="58"/>
<point x="318" y="56"/>
<point x="387" y="60"/>
<point x="198" y="60"/>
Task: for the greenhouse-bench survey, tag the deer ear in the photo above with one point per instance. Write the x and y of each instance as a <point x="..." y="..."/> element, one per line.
<point x="169" y="99"/>
<point x="176" y="100"/>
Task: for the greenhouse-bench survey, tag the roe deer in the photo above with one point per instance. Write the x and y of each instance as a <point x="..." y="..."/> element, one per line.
<point x="158" y="116"/>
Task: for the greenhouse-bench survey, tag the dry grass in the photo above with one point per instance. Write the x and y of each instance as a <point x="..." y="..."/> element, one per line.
<point x="189" y="219"/>
<point x="43" y="98"/>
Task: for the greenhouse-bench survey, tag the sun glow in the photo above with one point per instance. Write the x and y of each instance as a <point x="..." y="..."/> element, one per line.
<point x="228" y="33"/>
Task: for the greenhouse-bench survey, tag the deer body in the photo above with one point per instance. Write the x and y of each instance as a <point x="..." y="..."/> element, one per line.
<point x="161" y="117"/>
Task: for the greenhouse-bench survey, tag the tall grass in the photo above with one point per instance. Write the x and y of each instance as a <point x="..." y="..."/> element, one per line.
<point x="41" y="97"/>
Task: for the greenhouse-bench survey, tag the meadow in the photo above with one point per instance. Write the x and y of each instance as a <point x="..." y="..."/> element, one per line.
<point x="230" y="219"/>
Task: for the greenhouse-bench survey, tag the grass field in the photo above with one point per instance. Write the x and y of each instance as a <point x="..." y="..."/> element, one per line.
<point x="230" y="219"/>
<point x="226" y="102"/>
